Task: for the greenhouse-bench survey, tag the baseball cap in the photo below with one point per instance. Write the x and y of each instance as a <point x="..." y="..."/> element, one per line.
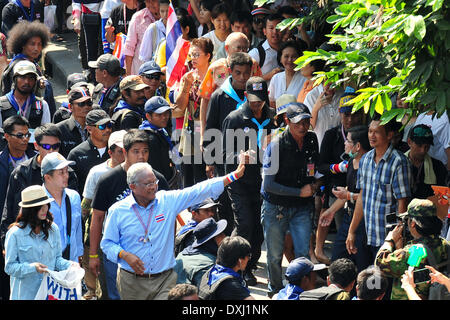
<point x="206" y="230"/>
<point x="260" y="10"/>
<point x="133" y="82"/>
<point x="116" y="138"/>
<point x="205" y="204"/>
<point x="297" y="111"/>
<point x="79" y="94"/>
<point x="420" y="208"/>
<point x="346" y="96"/>
<point x="107" y="62"/>
<point x="97" y="117"/>
<point x="54" y="161"/>
<point x="25" y="67"/>
<point x="283" y="102"/>
<point x="256" y="88"/>
<point x="300" y="267"/>
<point x="156" y="105"/>
<point x="75" y="78"/>
<point x="421" y="134"/>
<point x="149" y="67"/>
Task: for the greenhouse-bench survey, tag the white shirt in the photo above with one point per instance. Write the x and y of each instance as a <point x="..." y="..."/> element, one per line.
<point x="216" y="42"/>
<point x="149" y="43"/>
<point x="441" y="135"/>
<point x="277" y="86"/>
<point x="92" y="178"/>
<point x="270" y="62"/>
<point x="328" y="117"/>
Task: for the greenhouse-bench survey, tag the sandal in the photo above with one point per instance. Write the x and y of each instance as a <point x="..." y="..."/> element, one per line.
<point x="322" y="258"/>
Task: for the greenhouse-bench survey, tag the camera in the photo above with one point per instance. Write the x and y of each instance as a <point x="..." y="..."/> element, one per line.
<point x="392" y="220"/>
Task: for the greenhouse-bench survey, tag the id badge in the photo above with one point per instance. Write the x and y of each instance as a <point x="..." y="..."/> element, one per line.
<point x="310" y="168"/>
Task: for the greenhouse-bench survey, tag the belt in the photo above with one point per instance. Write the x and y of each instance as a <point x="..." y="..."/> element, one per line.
<point x="146" y="275"/>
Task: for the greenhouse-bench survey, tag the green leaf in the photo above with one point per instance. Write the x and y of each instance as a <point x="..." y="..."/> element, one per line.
<point x="389" y="115"/>
<point x="379" y="107"/>
<point x="420" y="29"/>
<point x="334" y="18"/>
<point x="396" y="81"/>
<point x="437" y="4"/>
<point x="387" y="103"/>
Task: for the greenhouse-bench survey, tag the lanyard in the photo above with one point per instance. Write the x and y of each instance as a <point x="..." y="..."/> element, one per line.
<point x="21" y="110"/>
<point x="144" y="239"/>
<point x="13" y="160"/>
<point x="20" y="5"/>
<point x="343" y="133"/>
<point x="260" y="129"/>
<point x="125" y="17"/>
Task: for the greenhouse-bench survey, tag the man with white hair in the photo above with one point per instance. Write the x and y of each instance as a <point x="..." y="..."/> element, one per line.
<point x="139" y="232"/>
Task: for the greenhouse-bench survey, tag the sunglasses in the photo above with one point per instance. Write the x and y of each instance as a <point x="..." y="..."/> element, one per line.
<point x="87" y="103"/>
<point x="153" y="76"/>
<point x="21" y="135"/>
<point x="104" y="126"/>
<point x="47" y="146"/>
<point x="258" y="20"/>
<point x="195" y="55"/>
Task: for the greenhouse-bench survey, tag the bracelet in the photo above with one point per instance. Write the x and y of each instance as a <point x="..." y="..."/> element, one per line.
<point x="121" y="253"/>
<point x="391" y="241"/>
<point x="93" y="256"/>
<point x="232" y="177"/>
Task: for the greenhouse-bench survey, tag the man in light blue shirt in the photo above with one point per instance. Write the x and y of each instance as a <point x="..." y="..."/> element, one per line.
<point x="55" y="173"/>
<point x="139" y="230"/>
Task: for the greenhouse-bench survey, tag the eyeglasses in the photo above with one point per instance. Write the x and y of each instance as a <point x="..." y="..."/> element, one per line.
<point x="241" y="49"/>
<point x="104" y="126"/>
<point x="150" y="184"/>
<point x="154" y="76"/>
<point x="21" y="135"/>
<point x="47" y="146"/>
<point x="195" y="55"/>
<point x="87" y="103"/>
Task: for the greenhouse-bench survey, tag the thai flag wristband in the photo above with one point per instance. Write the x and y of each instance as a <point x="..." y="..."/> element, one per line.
<point x="232" y="177"/>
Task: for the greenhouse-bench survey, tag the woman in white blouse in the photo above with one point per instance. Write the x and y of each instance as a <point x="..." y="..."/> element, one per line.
<point x="289" y="81"/>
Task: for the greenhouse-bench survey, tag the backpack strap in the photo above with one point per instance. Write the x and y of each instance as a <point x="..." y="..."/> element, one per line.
<point x="66" y="253"/>
<point x="262" y="53"/>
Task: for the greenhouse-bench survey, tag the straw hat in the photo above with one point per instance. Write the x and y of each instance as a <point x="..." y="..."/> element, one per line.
<point x="34" y="196"/>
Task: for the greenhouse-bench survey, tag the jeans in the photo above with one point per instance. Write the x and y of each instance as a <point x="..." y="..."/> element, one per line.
<point x="111" y="276"/>
<point x="276" y="221"/>
<point x="363" y="257"/>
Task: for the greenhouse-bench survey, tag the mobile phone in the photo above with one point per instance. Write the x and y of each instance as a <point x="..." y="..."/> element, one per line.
<point x="421" y="275"/>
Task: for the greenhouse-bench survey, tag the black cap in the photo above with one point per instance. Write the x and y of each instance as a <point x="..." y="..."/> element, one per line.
<point x="109" y="63"/>
<point x="75" y="78"/>
<point x="297" y="111"/>
<point x="97" y="117"/>
<point x="256" y="88"/>
<point x="79" y="94"/>
<point x="421" y="134"/>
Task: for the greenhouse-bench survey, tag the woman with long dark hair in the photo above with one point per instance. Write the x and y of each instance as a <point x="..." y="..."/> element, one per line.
<point x="32" y="245"/>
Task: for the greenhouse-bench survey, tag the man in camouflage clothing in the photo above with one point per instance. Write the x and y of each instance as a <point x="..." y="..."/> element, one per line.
<point x="424" y="227"/>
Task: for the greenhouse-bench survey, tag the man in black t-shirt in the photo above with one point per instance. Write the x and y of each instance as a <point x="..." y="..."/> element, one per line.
<point x="119" y="19"/>
<point x="112" y="187"/>
<point x="18" y="10"/>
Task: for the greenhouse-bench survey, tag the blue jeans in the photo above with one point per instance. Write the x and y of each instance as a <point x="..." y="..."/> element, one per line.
<point x="276" y="221"/>
<point x="111" y="276"/>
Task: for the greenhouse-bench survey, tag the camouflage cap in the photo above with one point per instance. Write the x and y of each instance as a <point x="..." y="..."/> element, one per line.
<point x="420" y="208"/>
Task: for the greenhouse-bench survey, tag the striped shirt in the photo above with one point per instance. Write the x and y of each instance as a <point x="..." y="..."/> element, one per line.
<point x="382" y="184"/>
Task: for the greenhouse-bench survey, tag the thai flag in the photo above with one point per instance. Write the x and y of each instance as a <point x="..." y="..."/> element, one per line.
<point x="160" y="218"/>
<point x="118" y="49"/>
<point x="177" y="48"/>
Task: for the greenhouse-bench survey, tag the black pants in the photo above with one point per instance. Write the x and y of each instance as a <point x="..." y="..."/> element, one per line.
<point x="246" y="206"/>
<point x="61" y="7"/>
<point x="90" y="39"/>
<point x="224" y="211"/>
<point x="4" y="280"/>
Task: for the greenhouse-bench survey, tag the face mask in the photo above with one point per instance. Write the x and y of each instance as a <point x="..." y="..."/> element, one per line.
<point x="352" y="155"/>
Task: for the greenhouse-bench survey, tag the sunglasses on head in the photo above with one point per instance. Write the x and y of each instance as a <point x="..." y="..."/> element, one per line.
<point x="153" y="76"/>
<point x="104" y="126"/>
<point x="87" y="103"/>
<point x="47" y="146"/>
<point x="21" y="135"/>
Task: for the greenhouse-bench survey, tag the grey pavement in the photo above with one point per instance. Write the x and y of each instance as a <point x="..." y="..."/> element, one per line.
<point x="63" y="58"/>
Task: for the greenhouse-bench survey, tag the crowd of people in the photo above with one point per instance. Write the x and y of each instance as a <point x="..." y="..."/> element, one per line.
<point x="256" y="150"/>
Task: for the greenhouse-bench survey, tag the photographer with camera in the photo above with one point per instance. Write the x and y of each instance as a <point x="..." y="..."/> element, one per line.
<point x="423" y="226"/>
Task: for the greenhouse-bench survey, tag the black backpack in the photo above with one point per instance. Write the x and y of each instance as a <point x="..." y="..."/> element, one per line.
<point x="262" y="53"/>
<point x="323" y="293"/>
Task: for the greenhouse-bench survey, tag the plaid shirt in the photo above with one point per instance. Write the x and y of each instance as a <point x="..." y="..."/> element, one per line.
<point x="381" y="184"/>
